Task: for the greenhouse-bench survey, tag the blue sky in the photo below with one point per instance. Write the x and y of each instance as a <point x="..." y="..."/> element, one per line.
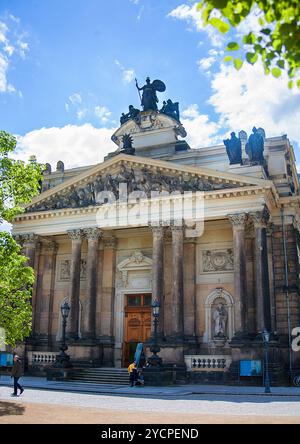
<point x="67" y="71"/>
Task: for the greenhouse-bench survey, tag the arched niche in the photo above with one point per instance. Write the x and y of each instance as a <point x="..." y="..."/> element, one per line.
<point x="218" y="296"/>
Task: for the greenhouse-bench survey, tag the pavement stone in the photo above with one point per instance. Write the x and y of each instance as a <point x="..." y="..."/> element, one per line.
<point x="178" y="390"/>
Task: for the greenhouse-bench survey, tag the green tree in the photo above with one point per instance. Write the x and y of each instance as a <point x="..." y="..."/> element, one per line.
<point x="16" y="280"/>
<point x="277" y="43"/>
<point x="19" y="182"/>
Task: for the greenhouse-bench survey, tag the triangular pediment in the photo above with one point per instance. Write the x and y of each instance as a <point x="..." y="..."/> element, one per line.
<point x="140" y="174"/>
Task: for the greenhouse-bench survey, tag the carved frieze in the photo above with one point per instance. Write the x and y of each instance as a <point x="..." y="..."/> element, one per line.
<point x="143" y="179"/>
<point x="64" y="270"/>
<point x="217" y="260"/>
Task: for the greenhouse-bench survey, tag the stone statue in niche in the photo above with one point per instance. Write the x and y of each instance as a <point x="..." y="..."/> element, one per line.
<point x="220" y="317"/>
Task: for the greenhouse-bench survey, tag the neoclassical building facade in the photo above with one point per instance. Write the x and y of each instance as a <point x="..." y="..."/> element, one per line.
<point x="218" y="287"/>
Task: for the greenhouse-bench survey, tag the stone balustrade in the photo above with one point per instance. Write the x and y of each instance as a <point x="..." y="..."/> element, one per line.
<point x="207" y="363"/>
<point x="41" y="358"/>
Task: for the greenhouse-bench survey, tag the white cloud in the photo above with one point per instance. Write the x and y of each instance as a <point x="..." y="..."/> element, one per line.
<point x="205" y="63"/>
<point x="248" y="97"/>
<point x="81" y="113"/>
<point x="103" y="113"/>
<point x="74" y="145"/>
<point x="192" y="16"/>
<point x="12" y="44"/>
<point x="201" y="131"/>
<point x="75" y="98"/>
<point x="127" y="74"/>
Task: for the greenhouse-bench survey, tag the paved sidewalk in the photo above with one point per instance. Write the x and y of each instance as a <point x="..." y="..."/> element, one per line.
<point x="178" y="390"/>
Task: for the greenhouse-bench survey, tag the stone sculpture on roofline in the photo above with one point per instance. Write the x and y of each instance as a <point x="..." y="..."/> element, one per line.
<point x="254" y="147"/>
<point x="149" y="102"/>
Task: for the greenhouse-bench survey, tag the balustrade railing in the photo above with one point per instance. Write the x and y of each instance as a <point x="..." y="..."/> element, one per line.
<point x="41" y="358"/>
<point x="208" y="362"/>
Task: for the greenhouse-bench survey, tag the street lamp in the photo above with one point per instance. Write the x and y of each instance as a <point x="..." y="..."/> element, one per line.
<point x="63" y="360"/>
<point x="154" y="360"/>
<point x="266" y="339"/>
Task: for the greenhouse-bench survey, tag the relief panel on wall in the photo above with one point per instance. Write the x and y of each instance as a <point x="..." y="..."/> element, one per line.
<point x="217" y="260"/>
<point x="64" y="269"/>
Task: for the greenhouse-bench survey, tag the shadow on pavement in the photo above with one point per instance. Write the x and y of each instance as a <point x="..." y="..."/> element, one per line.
<point x="10" y="408"/>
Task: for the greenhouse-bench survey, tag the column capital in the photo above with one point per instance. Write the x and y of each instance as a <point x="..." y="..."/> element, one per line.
<point x="260" y="218"/>
<point x="238" y="220"/>
<point x="110" y="243"/>
<point x="92" y="233"/>
<point x="177" y="227"/>
<point x="50" y="246"/>
<point x="27" y="238"/>
<point x="157" y="229"/>
<point x="75" y="234"/>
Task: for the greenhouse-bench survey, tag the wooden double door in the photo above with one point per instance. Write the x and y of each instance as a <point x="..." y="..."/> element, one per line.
<point x="137" y="324"/>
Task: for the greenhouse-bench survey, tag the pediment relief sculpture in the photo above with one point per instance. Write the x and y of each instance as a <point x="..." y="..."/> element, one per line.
<point x="140" y="179"/>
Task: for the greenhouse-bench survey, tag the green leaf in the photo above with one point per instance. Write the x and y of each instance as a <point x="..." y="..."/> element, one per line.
<point x="249" y="39"/>
<point x="281" y="64"/>
<point x="219" y="24"/>
<point x="266" y="31"/>
<point x="232" y="46"/>
<point x="238" y="63"/>
<point x="277" y="44"/>
<point x="251" y="57"/>
<point x="261" y="21"/>
<point x="228" y="58"/>
<point x="298" y="83"/>
<point x="290" y="84"/>
<point x="276" y="72"/>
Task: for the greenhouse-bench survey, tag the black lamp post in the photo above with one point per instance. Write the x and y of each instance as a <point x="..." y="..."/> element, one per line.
<point x="266" y="339"/>
<point x="63" y="360"/>
<point x="154" y="360"/>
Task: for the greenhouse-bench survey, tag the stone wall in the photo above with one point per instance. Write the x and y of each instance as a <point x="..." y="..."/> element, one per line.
<point x="279" y="278"/>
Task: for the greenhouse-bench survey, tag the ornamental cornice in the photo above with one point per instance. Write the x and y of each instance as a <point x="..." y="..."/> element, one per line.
<point x="208" y="195"/>
<point x="79" y="186"/>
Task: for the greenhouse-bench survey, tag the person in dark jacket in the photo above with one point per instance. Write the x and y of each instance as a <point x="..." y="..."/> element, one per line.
<point x="16" y="373"/>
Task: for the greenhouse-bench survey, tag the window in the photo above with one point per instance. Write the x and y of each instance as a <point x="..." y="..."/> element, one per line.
<point x="139" y="300"/>
<point x="134" y="300"/>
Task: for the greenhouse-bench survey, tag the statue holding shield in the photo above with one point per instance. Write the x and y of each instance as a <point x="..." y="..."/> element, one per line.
<point x="149" y="98"/>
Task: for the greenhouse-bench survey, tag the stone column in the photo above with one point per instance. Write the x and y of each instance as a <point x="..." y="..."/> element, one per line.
<point x="177" y="281"/>
<point x="189" y="285"/>
<point x="158" y="273"/>
<point x="269" y="232"/>
<point x="262" y="290"/>
<point x="29" y="247"/>
<point x="89" y="323"/>
<point x="240" y="286"/>
<point x="74" y="291"/>
<point x="108" y="300"/>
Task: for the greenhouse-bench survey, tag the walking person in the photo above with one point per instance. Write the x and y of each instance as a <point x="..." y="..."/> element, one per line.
<point x="132" y="370"/>
<point x="16" y="373"/>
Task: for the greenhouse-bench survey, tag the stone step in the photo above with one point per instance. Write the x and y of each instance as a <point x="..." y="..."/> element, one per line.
<point x="101" y="376"/>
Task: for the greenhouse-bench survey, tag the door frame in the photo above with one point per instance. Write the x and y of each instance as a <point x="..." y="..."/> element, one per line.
<point x="138" y="309"/>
